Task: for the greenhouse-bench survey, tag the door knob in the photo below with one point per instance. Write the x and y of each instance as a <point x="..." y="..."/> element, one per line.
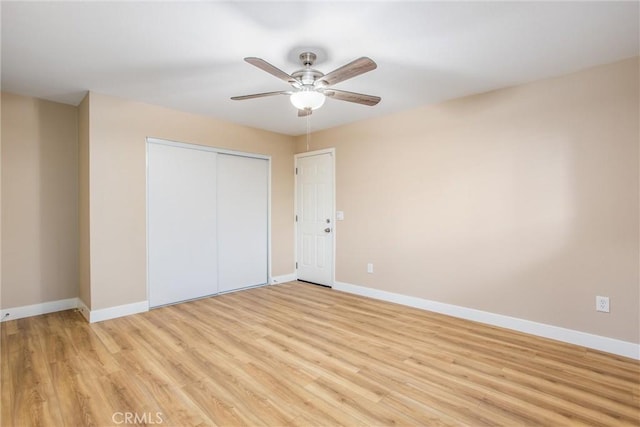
<point x="327" y="230"/>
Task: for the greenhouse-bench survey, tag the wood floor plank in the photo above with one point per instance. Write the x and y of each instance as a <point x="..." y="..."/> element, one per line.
<point x="302" y="355"/>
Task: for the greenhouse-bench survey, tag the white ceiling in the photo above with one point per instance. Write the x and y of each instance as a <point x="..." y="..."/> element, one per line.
<point x="189" y="55"/>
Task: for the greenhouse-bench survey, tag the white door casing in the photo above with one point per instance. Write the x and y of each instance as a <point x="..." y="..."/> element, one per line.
<point x="315" y="228"/>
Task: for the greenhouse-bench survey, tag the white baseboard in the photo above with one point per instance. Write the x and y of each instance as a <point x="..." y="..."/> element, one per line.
<point x="117" y="311"/>
<point x="84" y="310"/>
<point x="71" y="303"/>
<point x="37" y="309"/>
<point x="597" y="342"/>
<point x="284" y="278"/>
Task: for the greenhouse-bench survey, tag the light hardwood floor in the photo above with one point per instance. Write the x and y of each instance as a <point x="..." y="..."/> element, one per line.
<point x="297" y="354"/>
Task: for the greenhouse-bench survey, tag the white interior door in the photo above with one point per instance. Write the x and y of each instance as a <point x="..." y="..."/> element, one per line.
<point x="182" y="247"/>
<point x="242" y="222"/>
<point x="314" y="211"/>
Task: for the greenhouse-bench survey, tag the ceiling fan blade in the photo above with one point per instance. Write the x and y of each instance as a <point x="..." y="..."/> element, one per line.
<point x="358" y="98"/>
<point x="260" y="95"/>
<point x="352" y="69"/>
<point x="304" y="113"/>
<point x="273" y="70"/>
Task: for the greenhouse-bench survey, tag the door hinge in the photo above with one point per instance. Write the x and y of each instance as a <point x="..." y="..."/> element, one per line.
<point x="296" y="171"/>
<point x="296" y="265"/>
<point x="296" y="218"/>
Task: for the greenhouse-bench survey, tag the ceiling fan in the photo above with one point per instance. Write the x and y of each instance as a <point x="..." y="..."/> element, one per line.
<point x="311" y="87"/>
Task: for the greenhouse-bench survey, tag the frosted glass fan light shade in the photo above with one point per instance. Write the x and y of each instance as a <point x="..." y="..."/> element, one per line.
<point x="307" y="99"/>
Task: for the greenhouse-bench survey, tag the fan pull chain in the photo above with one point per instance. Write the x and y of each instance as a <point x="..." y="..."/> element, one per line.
<point x="308" y="130"/>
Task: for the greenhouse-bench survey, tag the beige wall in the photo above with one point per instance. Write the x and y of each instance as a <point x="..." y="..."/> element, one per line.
<point x="1" y="203"/>
<point x="39" y="201"/>
<point x="522" y="201"/>
<point x="117" y="217"/>
<point x="84" y="250"/>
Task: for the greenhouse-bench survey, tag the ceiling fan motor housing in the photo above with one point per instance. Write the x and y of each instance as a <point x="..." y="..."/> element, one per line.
<point x="307" y="75"/>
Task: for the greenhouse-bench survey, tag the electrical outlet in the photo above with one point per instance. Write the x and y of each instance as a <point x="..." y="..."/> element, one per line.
<point x="369" y="268"/>
<point x="602" y="304"/>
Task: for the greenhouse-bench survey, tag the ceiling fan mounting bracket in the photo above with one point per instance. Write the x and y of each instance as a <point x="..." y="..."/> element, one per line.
<point x="308" y="58"/>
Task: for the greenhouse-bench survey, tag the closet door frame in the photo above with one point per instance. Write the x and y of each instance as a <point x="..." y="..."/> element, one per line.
<point x="153" y="140"/>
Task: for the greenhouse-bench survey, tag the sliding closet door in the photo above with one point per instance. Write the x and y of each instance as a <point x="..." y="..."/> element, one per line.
<point x="242" y="221"/>
<point x="182" y="249"/>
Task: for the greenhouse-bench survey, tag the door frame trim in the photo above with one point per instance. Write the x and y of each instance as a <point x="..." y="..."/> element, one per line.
<point x="332" y="152"/>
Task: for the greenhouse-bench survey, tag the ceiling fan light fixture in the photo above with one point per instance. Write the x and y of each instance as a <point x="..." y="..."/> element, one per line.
<point x="307" y="99"/>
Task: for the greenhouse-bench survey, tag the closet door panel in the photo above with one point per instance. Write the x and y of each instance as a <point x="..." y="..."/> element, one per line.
<point x="242" y="221"/>
<point x="182" y="247"/>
